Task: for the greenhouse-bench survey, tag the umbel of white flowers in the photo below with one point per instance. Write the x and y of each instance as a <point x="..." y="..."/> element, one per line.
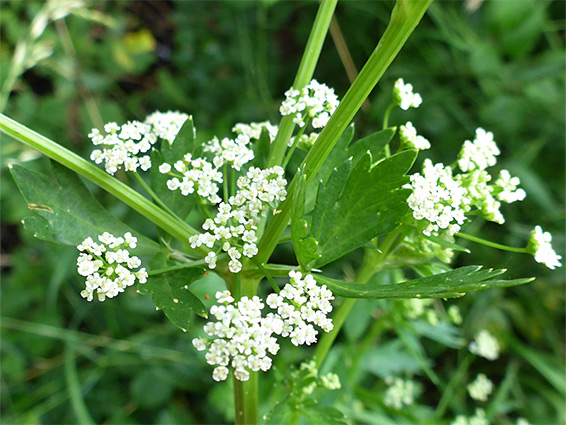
<point x="442" y="199"/>
<point x="108" y="266"/>
<point x="243" y="339"/>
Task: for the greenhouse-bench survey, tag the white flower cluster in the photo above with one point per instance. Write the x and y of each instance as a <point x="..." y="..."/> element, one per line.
<point x="480" y="388"/>
<point x="253" y="130"/>
<point x="236" y="222"/>
<point x="315" y="102"/>
<point x="479" y="154"/>
<point x="108" y="266"/>
<point x="300" y="304"/>
<point x="234" y="152"/>
<point x="479" y="418"/>
<point x="242" y="338"/>
<point x="443" y="199"/>
<point x="166" y="125"/>
<point x="404" y="97"/>
<point x="438" y="198"/>
<point x="415" y="308"/>
<point x="540" y="246"/>
<point x="195" y="175"/>
<point x="410" y="139"/>
<point x="506" y="188"/>
<point x="399" y="393"/>
<point x="485" y="345"/>
<point x="125" y="146"/>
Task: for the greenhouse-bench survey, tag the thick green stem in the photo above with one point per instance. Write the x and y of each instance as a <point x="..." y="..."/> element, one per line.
<point x="373" y="262"/>
<point x="492" y="244"/>
<point x="176" y="228"/>
<point x="304" y="75"/>
<point x="245" y="393"/>
<point x="405" y="17"/>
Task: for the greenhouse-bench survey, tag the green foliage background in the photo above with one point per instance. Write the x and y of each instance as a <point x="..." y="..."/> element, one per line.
<point x="500" y="67"/>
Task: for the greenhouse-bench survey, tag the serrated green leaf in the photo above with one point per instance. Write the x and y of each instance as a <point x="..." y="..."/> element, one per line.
<point x="178" y="203"/>
<point x="184" y="143"/>
<point x="306" y="248"/>
<point x="170" y="293"/>
<point x="354" y="208"/>
<point x="454" y="283"/>
<point x="337" y="156"/>
<point x="374" y="143"/>
<point x="66" y="212"/>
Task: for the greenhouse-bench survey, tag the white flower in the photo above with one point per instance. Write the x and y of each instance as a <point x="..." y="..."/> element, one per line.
<point x="438" y="198"/>
<point x="331" y="381"/>
<point x="404" y="97"/>
<point x="399" y="393"/>
<point x="478" y="419"/>
<point x="481" y="388"/>
<point x="242" y="338"/>
<point x="485" y="345"/>
<point x="166" y="125"/>
<point x="479" y="154"/>
<point x="253" y="130"/>
<point x="101" y="278"/>
<point x="410" y="138"/>
<point x="540" y="246"/>
<point x="507" y="187"/>
<point x="315" y="102"/>
<point x="165" y="168"/>
<point x="300" y="304"/>
<point x="210" y="259"/>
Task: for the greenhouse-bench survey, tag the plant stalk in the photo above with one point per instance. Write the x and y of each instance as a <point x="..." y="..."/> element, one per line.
<point x="404" y="18"/>
<point x="176" y="228"/>
<point x="304" y="75"/>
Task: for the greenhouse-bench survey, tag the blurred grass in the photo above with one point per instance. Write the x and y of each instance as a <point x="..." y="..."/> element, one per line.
<point x="500" y="67"/>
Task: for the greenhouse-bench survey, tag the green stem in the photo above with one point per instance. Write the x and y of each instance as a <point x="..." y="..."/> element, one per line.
<point x="178" y="229"/>
<point x="386" y="125"/>
<point x="405" y="17"/>
<point x="294" y="145"/>
<point x="233" y="182"/>
<point x="154" y="195"/>
<point x="226" y="194"/>
<point x="267" y="275"/>
<point x="202" y="207"/>
<point x="491" y="244"/>
<point x="373" y="262"/>
<point x="304" y="75"/>
<point x="245" y="393"/>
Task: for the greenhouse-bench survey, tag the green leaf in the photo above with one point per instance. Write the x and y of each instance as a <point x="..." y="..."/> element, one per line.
<point x="170" y="293"/>
<point x="337" y="155"/>
<point x="183" y="144"/>
<point x="178" y="203"/>
<point x="374" y="143"/>
<point x="66" y="212"/>
<point x="315" y="414"/>
<point x="261" y="149"/>
<point x="354" y="207"/>
<point x="446" y="244"/>
<point x="306" y="248"/>
<point x="452" y="284"/>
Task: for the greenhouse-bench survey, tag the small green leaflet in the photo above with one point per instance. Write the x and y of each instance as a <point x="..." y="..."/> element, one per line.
<point x="451" y="284"/>
<point x="170" y="293"/>
<point x="66" y="212"/>
<point x="183" y="144"/>
<point x="360" y="202"/>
